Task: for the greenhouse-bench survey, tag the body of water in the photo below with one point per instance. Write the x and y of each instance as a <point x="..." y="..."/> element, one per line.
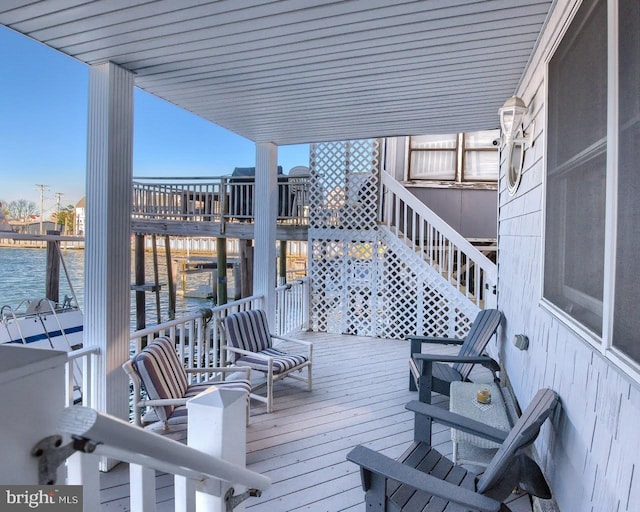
<point x="23" y="277"/>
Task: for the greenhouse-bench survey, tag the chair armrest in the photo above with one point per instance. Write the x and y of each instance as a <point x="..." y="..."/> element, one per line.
<point x="443" y="358"/>
<point x="162" y="402"/>
<point x="293" y="340"/>
<point x="216" y="369"/>
<point x="374" y="462"/>
<point x="440" y="340"/>
<point x="221" y="369"/>
<point x="457" y="421"/>
<point x="304" y="343"/>
<point x="229" y="348"/>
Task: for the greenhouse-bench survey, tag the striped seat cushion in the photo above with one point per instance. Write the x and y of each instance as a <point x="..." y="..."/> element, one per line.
<point x="161" y="373"/>
<point x="282" y="362"/>
<point x="180" y="413"/>
<point x="248" y="330"/>
<point x="239" y="385"/>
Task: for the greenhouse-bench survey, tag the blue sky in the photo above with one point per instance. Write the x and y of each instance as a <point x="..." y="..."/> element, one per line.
<point x="43" y="120"/>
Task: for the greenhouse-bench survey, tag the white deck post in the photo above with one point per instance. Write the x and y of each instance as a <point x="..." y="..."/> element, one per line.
<point x="217" y="426"/>
<point x="82" y="469"/>
<point x="184" y="491"/>
<point x="108" y="232"/>
<point x="266" y="211"/>
<point x="143" y="488"/>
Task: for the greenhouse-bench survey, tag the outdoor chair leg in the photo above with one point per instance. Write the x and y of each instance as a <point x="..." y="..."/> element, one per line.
<point x="422" y="424"/>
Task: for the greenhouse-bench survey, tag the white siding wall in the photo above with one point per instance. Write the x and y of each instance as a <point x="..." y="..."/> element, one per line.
<point x="591" y="450"/>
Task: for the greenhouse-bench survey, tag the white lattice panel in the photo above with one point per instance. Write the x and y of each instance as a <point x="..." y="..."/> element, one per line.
<point x="420" y="299"/>
<point x="343" y="183"/>
<point x="364" y="280"/>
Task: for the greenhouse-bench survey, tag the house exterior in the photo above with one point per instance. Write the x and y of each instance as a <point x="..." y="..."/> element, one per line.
<point x="566" y="235"/>
<point x="455" y="175"/>
<point x="79" y="217"/>
<point x="575" y="208"/>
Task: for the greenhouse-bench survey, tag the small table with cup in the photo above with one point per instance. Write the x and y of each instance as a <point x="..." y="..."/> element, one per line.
<point x="481" y="402"/>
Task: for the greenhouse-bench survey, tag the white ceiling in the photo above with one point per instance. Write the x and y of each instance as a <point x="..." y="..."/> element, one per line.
<point x="294" y="71"/>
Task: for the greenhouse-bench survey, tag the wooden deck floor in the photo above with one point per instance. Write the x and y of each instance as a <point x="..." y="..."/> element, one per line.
<point x="359" y="392"/>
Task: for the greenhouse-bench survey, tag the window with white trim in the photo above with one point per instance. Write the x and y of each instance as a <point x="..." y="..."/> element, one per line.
<point x="455" y="157"/>
<point x="592" y="238"/>
<point x="626" y="320"/>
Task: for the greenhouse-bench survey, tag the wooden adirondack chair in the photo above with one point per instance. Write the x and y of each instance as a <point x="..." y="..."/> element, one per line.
<point x="427" y="371"/>
<point x="423" y="479"/>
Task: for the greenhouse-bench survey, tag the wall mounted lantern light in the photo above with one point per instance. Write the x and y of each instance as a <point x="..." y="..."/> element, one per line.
<point x="515" y="139"/>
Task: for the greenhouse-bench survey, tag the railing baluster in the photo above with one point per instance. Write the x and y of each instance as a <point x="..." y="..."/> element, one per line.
<point x="440" y="239"/>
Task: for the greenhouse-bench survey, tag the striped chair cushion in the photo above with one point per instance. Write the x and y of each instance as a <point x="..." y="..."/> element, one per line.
<point x="161" y="373"/>
<point x="248" y="330"/>
<point x="282" y="362"/>
<point x="180" y="413"/>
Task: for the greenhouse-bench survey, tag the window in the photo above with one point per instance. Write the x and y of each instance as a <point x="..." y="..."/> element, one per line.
<point x="576" y="168"/>
<point x="626" y="321"/>
<point x="592" y="238"/>
<point x="454" y="158"/>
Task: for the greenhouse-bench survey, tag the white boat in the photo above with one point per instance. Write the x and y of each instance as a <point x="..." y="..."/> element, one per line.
<point x="40" y="323"/>
<point x="44" y="324"/>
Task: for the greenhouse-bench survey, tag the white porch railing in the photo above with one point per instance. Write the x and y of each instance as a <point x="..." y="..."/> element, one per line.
<point x="79" y="371"/>
<point x="198" y="336"/>
<point x="292" y="307"/>
<point x="448" y="252"/>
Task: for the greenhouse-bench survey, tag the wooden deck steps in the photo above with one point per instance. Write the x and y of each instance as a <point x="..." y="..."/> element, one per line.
<point x="359" y="392"/>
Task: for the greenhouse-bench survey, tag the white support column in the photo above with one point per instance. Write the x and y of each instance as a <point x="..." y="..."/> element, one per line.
<point x="108" y="232"/>
<point x="265" y="212"/>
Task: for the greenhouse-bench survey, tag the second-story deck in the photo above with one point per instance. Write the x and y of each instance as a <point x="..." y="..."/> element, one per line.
<point x="215" y="206"/>
<point x="360" y="390"/>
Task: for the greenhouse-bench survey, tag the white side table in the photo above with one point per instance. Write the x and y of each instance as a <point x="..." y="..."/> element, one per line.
<point x="467" y="448"/>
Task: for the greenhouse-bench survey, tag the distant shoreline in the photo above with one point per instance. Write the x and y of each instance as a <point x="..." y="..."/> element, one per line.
<point x="37" y="244"/>
<point x="79" y="246"/>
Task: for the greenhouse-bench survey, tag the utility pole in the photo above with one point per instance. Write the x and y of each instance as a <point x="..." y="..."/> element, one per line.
<point x="58" y="196"/>
<point x="42" y="189"/>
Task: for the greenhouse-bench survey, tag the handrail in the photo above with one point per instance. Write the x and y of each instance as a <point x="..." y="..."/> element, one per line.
<point x="441" y="246"/>
<point x="81" y="352"/>
<point x="115" y="438"/>
<point x="166" y="325"/>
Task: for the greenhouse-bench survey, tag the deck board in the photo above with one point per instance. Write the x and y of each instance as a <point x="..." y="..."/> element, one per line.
<point x="360" y="388"/>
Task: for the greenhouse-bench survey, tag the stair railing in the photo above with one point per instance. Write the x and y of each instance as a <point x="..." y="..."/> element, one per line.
<point x="203" y="467"/>
<point x="441" y="246"/>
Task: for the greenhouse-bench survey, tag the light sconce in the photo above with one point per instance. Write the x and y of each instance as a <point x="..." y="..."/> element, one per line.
<point x="515" y="139"/>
